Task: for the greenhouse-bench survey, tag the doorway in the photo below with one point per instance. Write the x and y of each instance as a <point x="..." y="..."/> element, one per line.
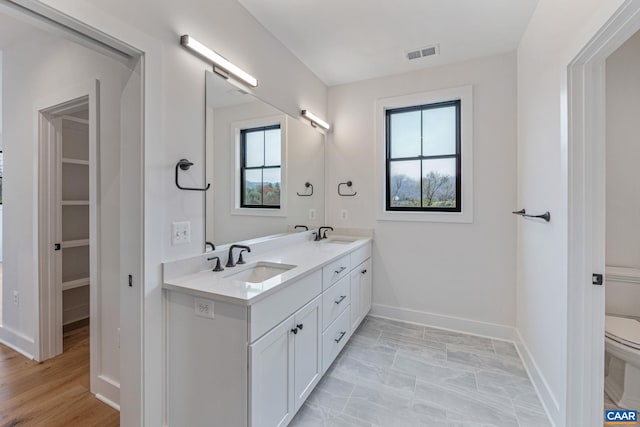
<point x="69" y="218"/>
<point x="72" y="196"/>
<point x="586" y="157"/>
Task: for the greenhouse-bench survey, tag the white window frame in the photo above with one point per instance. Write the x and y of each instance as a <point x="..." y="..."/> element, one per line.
<point x="465" y="95"/>
<point x="238" y="126"/>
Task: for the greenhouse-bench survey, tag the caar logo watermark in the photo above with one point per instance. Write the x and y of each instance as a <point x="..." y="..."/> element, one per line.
<point x="620" y="417"/>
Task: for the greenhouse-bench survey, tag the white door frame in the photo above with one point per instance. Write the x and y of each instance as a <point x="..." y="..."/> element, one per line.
<point x="143" y="393"/>
<point x="586" y="215"/>
<point x="47" y="121"/>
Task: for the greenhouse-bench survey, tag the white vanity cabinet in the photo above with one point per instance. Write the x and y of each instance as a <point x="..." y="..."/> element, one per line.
<point x="254" y="362"/>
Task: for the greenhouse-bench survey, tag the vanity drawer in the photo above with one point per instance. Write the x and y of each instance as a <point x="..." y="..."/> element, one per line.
<point x="335" y="300"/>
<point x="334" y="339"/>
<point x="335" y="271"/>
<point x="360" y="254"/>
<point x="272" y="310"/>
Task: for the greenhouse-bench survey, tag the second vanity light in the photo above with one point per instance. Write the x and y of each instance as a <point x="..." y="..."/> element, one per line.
<point x="218" y="60"/>
<point x="315" y="120"/>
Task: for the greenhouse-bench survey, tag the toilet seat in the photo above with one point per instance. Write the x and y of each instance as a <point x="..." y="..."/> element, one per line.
<point x="623" y="330"/>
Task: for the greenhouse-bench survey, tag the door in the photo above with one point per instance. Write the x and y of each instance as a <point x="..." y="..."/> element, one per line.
<point x="271" y="402"/>
<point x="307" y="350"/>
<point x="364" y="270"/>
<point x="356" y="312"/>
<point x="131" y="280"/>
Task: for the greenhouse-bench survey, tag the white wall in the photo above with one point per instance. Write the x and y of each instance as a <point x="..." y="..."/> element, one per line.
<point x="228" y="28"/>
<point x="556" y="33"/>
<point x="34" y="69"/>
<point x="623" y="174"/>
<point x="458" y="270"/>
<point x="623" y="155"/>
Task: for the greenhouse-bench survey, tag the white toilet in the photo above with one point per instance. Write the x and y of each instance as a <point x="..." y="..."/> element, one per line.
<point x="622" y="361"/>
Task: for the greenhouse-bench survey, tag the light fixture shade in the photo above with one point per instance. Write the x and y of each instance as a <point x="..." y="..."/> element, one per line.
<point x="315" y="120"/>
<point x="218" y="60"/>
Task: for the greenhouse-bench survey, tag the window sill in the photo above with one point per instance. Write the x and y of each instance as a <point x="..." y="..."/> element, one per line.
<point x="450" y="217"/>
<point x="259" y="212"/>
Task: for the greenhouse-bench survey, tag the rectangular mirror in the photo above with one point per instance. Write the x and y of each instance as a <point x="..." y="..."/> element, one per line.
<point x="265" y="167"/>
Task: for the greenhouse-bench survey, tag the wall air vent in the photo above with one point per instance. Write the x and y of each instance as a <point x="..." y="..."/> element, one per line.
<point x="422" y="52"/>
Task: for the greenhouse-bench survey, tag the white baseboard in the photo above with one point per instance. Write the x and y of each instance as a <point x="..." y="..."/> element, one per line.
<point x="108" y="402"/>
<point x="483" y="329"/>
<point x="17" y="341"/>
<point x="107" y="390"/>
<point x="472" y="327"/>
<point x="546" y="396"/>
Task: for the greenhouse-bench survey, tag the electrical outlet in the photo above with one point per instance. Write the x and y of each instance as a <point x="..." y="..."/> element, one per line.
<point x="16" y="299"/>
<point x="204" y="308"/>
<point x="312" y="214"/>
<point x="344" y="214"/>
<point x="181" y="233"/>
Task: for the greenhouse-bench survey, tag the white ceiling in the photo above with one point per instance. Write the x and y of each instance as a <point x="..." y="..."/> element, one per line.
<point x="349" y="40"/>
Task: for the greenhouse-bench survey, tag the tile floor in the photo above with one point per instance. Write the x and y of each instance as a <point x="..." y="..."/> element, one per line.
<point x="394" y="374"/>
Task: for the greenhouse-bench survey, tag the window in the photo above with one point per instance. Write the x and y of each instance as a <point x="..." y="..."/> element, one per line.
<point x="423" y="158"/>
<point x="260" y="167"/>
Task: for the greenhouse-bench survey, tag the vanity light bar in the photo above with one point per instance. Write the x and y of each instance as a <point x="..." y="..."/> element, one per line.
<point x="218" y="61"/>
<point x="315" y="120"/>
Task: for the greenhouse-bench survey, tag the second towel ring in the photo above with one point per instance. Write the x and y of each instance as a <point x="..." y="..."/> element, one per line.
<point x="307" y="185"/>
<point x="348" y="184"/>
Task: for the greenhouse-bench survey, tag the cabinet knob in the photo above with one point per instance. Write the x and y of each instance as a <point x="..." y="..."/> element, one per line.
<point x="294" y="331"/>
<point x="364" y="271"/>
<point x="300" y="326"/>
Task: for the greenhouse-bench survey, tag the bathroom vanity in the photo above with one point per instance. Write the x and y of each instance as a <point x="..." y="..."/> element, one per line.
<point x="247" y="345"/>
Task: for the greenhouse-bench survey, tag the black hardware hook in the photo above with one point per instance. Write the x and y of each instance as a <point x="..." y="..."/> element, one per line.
<point x="546" y="216"/>
<point x="307" y="185"/>
<point x="184" y="165"/>
<point x="348" y="184"/>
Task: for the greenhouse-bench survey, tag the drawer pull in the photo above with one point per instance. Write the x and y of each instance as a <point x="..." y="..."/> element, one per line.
<point x="340" y="270"/>
<point x="294" y="331"/>
<point x="364" y="271"/>
<point x="342" y="334"/>
<point x="299" y="326"/>
<point x="342" y="297"/>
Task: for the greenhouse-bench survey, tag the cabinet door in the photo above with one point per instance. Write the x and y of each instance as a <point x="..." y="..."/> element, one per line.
<point x="364" y="270"/>
<point x="356" y="311"/>
<point x="307" y="350"/>
<point x="271" y="377"/>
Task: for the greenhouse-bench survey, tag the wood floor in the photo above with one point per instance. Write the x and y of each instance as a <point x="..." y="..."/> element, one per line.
<point x="54" y="393"/>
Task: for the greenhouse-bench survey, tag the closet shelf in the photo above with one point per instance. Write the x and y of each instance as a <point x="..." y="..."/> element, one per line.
<point x="75" y="243"/>
<point x="77" y="283"/>
<point x="75" y="203"/>
<point x="71" y="161"/>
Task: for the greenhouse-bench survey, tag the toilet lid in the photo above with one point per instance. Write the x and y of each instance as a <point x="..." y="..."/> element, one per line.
<point x="625" y="331"/>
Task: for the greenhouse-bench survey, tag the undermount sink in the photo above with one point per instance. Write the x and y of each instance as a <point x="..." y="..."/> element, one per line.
<point x="259" y="272"/>
<point x="340" y="240"/>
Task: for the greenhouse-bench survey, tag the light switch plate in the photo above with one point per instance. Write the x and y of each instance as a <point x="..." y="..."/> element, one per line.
<point x="204" y="308"/>
<point x="181" y="233"/>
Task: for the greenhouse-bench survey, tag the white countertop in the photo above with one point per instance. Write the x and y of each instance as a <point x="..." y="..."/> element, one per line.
<point x="307" y="257"/>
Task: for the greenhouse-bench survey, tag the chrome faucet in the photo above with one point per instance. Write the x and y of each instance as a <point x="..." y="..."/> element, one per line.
<point x="323" y="236"/>
<point x="230" y="261"/>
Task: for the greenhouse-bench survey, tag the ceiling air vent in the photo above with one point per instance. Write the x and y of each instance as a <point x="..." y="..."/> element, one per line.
<point x="422" y="52"/>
